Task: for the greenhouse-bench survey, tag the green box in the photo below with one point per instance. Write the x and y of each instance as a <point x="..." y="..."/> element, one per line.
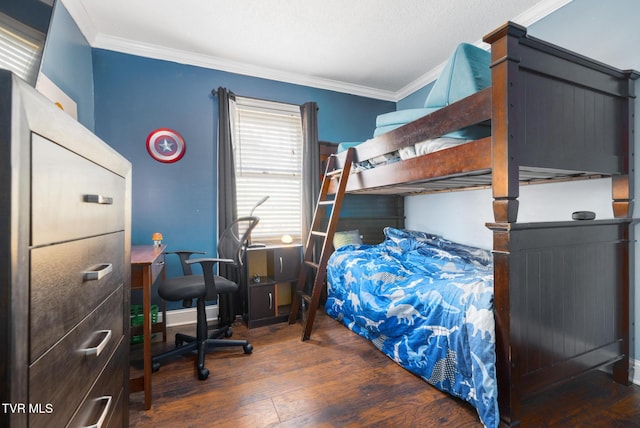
<point x="137" y="318"/>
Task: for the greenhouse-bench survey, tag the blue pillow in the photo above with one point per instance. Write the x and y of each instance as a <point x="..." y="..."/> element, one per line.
<point x="467" y="71"/>
<point x="400" y="117"/>
<point x="344" y="146"/>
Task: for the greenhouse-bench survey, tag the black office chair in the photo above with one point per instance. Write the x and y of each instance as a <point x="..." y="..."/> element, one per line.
<point x="231" y="247"/>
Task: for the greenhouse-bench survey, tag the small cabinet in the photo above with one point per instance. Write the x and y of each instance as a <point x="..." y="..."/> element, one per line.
<point x="272" y="272"/>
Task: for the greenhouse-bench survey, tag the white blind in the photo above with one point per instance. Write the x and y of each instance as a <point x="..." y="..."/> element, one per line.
<point x="20" y="48"/>
<point x="268" y="162"/>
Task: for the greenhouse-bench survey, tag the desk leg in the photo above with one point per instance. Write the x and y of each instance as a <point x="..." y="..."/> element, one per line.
<point x="146" y="307"/>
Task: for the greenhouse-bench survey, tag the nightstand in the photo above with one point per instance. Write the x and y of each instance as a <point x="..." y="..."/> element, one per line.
<point x="272" y="273"/>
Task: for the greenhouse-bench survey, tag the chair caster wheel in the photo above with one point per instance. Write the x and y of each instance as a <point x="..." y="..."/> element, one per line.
<point x="203" y="373"/>
<point x="179" y="343"/>
<point x="155" y="367"/>
<point x="228" y="333"/>
<point x="248" y="348"/>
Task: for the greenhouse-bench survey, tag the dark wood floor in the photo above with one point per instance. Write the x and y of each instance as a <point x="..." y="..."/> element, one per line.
<point x="338" y="379"/>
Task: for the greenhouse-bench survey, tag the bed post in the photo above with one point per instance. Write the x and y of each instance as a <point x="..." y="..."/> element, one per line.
<point x="504" y="120"/>
<point x="622" y="185"/>
<point x="506" y="354"/>
<point x="505" y="185"/>
<point x="622" y="194"/>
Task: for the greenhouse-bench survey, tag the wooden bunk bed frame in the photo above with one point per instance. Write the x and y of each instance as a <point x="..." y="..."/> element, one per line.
<point x="561" y="297"/>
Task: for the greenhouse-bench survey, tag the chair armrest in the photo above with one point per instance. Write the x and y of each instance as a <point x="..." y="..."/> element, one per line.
<point x="184" y="252"/>
<point x="184" y="259"/>
<point x="211" y="260"/>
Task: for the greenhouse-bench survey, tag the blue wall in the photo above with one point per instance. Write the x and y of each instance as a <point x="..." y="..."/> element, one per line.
<point x="123" y="98"/>
<point x="416" y="99"/>
<point x="135" y="95"/>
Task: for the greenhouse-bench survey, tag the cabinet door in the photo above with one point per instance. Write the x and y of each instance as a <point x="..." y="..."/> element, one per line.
<point x="284" y="263"/>
<point x="262" y="301"/>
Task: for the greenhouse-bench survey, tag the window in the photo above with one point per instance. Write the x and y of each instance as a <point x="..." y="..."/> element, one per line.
<point x="268" y="162"/>
<point x="20" y="48"/>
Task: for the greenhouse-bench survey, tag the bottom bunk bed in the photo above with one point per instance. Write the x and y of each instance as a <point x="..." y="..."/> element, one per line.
<point x="438" y="308"/>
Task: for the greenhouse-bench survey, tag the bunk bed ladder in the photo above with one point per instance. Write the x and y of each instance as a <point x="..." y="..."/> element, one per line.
<point x="320" y="236"/>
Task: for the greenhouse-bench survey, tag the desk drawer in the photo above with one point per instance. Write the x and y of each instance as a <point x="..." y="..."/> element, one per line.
<point x="65" y="373"/>
<point x="62" y="292"/>
<point x="72" y="197"/>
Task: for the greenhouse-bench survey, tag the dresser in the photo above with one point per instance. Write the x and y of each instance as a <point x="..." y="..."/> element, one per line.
<point x="65" y="210"/>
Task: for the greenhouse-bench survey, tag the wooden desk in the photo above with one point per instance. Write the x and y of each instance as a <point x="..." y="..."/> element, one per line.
<point x="147" y="263"/>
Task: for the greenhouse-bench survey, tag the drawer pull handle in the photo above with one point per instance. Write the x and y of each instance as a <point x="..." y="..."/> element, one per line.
<point x="97" y="350"/>
<point x="270" y="301"/>
<point x="281" y="266"/>
<point x="105" y="411"/>
<point x="98" y="273"/>
<point x="98" y="199"/>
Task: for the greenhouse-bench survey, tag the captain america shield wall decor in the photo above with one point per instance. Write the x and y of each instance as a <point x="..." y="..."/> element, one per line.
<point x="166" y="145"/>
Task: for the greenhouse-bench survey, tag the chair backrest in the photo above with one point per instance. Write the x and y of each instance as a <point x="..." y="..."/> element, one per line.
<point x="233" y="240"/>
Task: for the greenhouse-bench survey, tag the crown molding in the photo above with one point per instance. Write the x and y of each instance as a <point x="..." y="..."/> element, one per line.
<point x="102" y="41"/>
<point x="539" y="11"/>
<point x="81" y="18"/>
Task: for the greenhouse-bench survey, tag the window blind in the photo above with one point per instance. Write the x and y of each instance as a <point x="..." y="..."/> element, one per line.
<point x="268" y="162"/>
<point x="20" y="48"/>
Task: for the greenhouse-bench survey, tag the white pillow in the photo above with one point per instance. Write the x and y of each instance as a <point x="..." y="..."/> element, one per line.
<point x="347" y="237"/>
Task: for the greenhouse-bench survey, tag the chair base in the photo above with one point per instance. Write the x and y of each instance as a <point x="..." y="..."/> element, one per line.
<point x="203" y="340"/>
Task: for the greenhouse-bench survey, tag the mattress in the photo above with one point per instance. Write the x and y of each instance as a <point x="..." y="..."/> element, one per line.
<point x="426" y="303"/>
<point x="419" y="149"/>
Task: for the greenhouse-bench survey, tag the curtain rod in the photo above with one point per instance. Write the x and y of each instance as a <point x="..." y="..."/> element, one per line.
<point x="214" y="92"/>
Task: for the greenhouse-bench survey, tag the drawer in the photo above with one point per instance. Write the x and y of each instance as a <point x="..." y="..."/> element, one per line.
<point x="283" y="263"/>
<point x="62" y="377"/>
<point x="103" y="403"/>
<point x="72" y="197"/>
<point x="62" y="289"/>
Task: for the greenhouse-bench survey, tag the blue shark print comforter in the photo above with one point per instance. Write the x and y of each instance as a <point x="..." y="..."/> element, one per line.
<point x="427" y="303"/>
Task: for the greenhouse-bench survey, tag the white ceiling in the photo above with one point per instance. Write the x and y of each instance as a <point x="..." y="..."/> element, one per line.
<point x="383" y="49"/>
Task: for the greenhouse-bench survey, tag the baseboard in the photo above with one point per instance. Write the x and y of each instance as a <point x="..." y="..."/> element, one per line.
<point x="179" y="317"/>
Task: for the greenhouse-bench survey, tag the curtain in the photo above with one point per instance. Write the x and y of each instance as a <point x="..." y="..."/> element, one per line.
<point x="310" y="164"/>
<point x="227" y="205"/>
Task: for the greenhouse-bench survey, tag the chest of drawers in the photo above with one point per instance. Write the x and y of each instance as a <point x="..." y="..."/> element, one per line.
<point x="64" y="259"/>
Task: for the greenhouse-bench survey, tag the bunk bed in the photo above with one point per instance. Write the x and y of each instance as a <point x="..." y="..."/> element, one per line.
<point x="560" y="289"/>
